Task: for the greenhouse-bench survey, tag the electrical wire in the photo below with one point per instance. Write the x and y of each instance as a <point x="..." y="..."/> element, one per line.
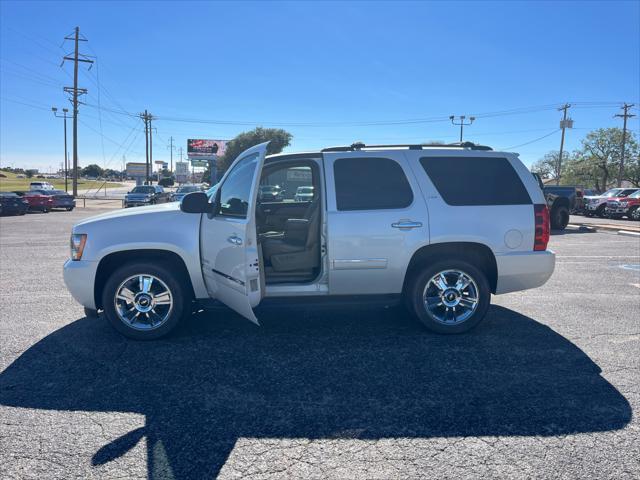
<point x="532" y="141"/>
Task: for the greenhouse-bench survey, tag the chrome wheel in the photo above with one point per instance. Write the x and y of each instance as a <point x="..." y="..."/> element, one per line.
<point x="451" y="297"/>
<point x="143" y="302"/>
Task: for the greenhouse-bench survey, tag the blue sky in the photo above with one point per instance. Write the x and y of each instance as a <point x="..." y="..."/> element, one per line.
<point x="331" y="66"/>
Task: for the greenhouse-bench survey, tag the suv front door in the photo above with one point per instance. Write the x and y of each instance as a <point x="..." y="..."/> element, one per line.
<point x="228" y="239"/>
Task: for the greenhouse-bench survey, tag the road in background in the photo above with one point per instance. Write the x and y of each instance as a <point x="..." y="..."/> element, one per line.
<point x="545" y="387"/>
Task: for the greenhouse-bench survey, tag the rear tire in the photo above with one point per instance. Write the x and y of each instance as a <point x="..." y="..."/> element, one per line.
<point x="559" y="218"/>
<point x="69" y="209"/>
<point x="442" y="307"/>
<point x="132" y="308"/>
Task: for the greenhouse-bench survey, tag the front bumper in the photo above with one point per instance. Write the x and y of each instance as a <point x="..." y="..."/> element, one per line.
<point x="79" y="277"/>
<point x="523" y="270"/>
<point x="617" y="210"/>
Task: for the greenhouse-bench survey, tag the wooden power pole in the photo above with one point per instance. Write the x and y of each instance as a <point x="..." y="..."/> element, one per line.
<point x="75" y="93"/>
<point x="564" y="123"/>
<point x="625" y="116"/>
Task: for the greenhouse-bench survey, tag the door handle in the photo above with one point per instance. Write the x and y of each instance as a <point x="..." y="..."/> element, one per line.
<point x="235" y="240"/>
<point x="406" y="224"/>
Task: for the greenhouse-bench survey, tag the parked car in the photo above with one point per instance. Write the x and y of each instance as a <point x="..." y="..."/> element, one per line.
<point x="145" y="195"/>
<point x="37" y="201"/>
<point x="618" y="207"/>
<point x="596" y="205"/>
<point x="304" y="194"/>
<point x="431" y="234"/>
<point x="61" y="199"/>
<point x="270" y="193"/>
<point x="40" y="186"/>
<point x="12" y="204"/>
<point x="183" y="190"/>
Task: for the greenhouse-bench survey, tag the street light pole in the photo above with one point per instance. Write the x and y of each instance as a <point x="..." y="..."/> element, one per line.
<point x="462" y="124"/>
<point x="66" y="167"/>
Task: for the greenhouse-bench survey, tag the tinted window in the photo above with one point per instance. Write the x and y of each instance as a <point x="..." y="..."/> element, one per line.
<point x="143" y="190"/>
<point x="235" y="191"/>
<point x="370" y="184"/>
<point x="476" y="180"/>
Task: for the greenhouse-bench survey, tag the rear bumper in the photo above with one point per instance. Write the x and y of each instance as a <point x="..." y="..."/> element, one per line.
<point x="524" y="270"/>
<point x="79" y="277"/>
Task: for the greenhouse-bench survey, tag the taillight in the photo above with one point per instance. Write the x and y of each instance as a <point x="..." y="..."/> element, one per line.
<point x="541" y="215"/>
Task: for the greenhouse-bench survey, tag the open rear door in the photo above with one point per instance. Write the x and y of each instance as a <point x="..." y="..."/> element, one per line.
<point x="228" y="238"/>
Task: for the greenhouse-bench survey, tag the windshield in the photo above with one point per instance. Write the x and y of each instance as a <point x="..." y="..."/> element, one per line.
<point x="187" y="189"/>
<point x="143" y="189"/>
<point x="612" y="193"/>
<point x="58" y="192"/>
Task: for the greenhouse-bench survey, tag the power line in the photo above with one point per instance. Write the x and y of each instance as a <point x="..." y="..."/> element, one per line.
<point x="532" y="141"/>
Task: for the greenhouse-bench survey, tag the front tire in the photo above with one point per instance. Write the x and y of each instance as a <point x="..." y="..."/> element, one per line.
<point x="450" y="296"/>
<point x="144" y="301"/>
<point x="634" y="214"/>
<point x="600" y="211"/>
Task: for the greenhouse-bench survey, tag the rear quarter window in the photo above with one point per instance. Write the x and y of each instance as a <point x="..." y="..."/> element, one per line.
<point x="472" y="181"/>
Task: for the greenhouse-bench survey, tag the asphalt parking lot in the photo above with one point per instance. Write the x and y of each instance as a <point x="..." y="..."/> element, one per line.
<point x="546" y="387"/>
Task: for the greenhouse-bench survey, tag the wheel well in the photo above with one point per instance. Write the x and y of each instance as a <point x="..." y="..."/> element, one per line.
<point x="478" y="254"/>
<point x="561" y="202"/>
<point x="111" y="262"/>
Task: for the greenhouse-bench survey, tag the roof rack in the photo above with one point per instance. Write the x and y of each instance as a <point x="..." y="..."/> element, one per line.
<point x="419" y="146"/>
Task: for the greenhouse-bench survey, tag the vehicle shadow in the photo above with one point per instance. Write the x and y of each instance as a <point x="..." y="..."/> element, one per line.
<point x="328" y="373"/>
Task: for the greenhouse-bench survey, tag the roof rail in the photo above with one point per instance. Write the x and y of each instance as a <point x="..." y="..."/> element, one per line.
<point x="419" y="146"/>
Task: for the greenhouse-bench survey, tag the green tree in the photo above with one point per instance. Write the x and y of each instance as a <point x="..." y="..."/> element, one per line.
<point x="598" y="159"/>
<point x="547" y="166"/>
<point x="279" y="139"/>
<point x="92" y="170"/>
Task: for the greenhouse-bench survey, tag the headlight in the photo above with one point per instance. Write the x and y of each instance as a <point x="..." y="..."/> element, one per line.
<point x="77" y="245"/>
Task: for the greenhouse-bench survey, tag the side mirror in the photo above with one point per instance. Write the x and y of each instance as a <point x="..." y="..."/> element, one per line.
<point x="195" y="202"/>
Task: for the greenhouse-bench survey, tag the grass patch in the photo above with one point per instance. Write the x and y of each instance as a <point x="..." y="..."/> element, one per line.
<point x="11" y="183"/>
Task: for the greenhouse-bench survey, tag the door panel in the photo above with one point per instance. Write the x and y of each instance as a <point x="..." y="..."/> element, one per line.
<point x="369" y="249"/>
<point x="228" y="239"/>
<point x="275" y="214"/>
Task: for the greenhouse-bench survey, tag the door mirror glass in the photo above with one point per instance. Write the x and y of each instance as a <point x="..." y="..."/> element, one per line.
<point x="196" y="202"/>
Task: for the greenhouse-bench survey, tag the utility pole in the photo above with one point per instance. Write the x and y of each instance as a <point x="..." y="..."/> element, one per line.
<point x="462" y="124"/>
<point x="75" y="91"/>
<point x="625" y="116"/>
<point x="564" y="123"/>
<point x="66" y="164"/>
<point x="148" y="139"/>
<point x="170" y="147"/>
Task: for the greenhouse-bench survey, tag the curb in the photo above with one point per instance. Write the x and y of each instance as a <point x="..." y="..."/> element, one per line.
<point x="628" y="233"/>
<point x="612" y="228"/>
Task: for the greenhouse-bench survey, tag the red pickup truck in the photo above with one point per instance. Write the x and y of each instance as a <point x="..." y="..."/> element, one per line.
<point x="619" y="207"/>
<point x="37" y="202"/>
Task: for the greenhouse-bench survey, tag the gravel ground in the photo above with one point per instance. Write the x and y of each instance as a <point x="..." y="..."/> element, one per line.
<point x="545" y="387"/>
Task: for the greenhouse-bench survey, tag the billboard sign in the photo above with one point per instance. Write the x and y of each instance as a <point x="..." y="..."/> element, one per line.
<point x="205" y="148"/>
<point x="136" y="169"/>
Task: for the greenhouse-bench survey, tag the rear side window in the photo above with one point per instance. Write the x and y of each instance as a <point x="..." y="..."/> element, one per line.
<point x="476" y="180"/>
<point x="370" y="184"/>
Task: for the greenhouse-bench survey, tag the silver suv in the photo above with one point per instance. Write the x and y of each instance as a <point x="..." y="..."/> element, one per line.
<point x="441" y="226"/>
